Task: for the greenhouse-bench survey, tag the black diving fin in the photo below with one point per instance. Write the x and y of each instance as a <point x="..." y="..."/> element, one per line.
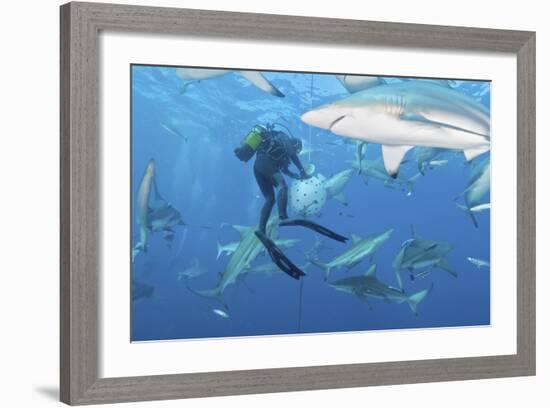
<point x="279" y="258"/>
<point x="315" y="227"/>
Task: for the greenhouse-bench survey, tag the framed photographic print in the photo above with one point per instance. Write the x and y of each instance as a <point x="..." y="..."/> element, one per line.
<point x="266" y="189"/>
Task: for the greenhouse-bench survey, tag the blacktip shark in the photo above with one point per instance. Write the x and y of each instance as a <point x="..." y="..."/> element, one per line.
<point x="368" y="286"/>
<point x="402" y="115"/>
<point x="256" y="78"/>
<point x="153" y="215"/>
<point x="241" y="260"/>
<point x="476" y="193"/>
<point x="334" y="185"/>
<point x="420" y="254"/>
<point x="360" y="249"/>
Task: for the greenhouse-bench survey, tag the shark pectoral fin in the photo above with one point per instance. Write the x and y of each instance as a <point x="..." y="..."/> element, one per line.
<point x="442" y="263"/>
<point x="471" y="154"/>
<point x="341" y="198"/>
<point x="393" y="155"/>
<point x="260" y="82"/>
<point x="363" y="297"/>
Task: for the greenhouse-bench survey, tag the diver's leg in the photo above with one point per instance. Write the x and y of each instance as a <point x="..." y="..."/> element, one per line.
<point x="266" y="187"/>
<point x="282" y="195"/>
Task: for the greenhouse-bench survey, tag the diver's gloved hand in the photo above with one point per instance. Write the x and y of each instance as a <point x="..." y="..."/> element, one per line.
<point x="304" y="175"/>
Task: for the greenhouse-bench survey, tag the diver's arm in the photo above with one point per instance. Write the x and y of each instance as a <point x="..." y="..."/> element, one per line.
<point x="296" y="160"/>
<point x="291" y="174"/>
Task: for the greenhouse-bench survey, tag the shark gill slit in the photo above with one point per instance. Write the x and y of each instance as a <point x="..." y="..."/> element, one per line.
<point x="336" y="121"/>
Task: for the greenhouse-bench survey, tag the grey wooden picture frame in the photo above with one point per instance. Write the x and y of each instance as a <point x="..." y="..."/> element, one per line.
<point x="80" y="235"/>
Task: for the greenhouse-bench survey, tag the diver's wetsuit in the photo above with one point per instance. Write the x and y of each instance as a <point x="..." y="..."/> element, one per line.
<point x="268" y="168"/>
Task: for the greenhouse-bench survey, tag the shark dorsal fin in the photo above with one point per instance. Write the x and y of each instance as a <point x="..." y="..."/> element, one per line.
<point x="355" y="238"/>
<point x="196" y="262"/>
<point x="371" y="272"/>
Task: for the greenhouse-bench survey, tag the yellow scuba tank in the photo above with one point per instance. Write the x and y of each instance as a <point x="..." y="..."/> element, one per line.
<point x="250" y="143"/>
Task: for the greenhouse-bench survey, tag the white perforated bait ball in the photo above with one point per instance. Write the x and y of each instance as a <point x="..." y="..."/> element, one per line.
<point x="308" y="197"/>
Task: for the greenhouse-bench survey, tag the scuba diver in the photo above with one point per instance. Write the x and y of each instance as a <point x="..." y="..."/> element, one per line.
<point x="275" y="151"/>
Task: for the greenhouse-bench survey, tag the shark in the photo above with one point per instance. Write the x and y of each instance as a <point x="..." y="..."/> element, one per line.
<point x="153" y="215"/>
<point x="334" y="185"/>
<point x="420" y="254"/>
<point x="402" y="115"/>
<point x="256" y="78"/>
<point x="241" y="260"/>
<point x="356" y="83"/>
<point x="360" y="249"/>
<point x="368" y="286"/>
<point x="476" y="193"/>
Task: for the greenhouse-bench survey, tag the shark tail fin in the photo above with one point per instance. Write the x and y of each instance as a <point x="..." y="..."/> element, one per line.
<point x="418" y="297"/>
<point x="323" y="266"/>
<point x="469" y="212"/>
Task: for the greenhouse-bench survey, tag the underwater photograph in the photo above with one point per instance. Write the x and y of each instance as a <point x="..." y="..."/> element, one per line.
<point x="282" y="203"/>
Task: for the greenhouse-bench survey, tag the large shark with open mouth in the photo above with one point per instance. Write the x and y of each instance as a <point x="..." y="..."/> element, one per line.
<point x="403" y="115"/>
<point x="254" y="77"/>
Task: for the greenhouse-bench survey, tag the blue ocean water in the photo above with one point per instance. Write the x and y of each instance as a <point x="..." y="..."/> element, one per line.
<point x="190" y="131"/>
